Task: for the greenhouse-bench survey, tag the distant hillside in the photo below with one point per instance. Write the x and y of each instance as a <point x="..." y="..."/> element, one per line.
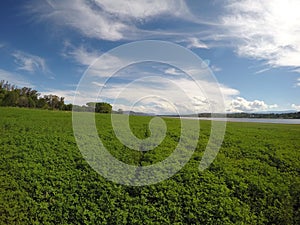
<point x="290" y="115"/>
<point x="138" y="113"/>
<point x="287" y="115"/>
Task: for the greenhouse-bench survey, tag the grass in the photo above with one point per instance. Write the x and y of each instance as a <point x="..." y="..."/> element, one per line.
<point x="45" y="180"/>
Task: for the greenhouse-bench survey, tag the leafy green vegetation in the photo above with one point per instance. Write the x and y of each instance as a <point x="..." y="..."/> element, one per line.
<point x="45" y="180"/>
<point x="12" y="96"/>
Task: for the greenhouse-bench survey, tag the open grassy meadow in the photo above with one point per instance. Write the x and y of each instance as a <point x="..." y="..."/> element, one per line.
<point x="44" y="179"/>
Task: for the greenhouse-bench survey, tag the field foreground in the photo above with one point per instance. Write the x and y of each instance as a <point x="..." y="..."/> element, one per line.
<point x="44" y="179"/>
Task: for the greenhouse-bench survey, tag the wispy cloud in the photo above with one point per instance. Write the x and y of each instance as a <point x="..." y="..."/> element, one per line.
<point x="298" y="82"/>
<point x="173" y="71"/>
<point x="134" y="84"/>
<point x="194" y="42"/>
<point x="30" y="63"/>
<point x="108" y="20"/>
<point x="168" y="100"/>
<point x="81" y="55"/>
<point x="262" y="70"/>
<point x="297" y="70"/>
<point x="15" y="78"/>
<point x="156" y="95"/>
<point x="265" y="30"/>
<point x="215" y="68"/>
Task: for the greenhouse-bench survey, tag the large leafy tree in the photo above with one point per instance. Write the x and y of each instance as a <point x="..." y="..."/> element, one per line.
<point x="103" y="107"/>
<point x="99" y="107"/>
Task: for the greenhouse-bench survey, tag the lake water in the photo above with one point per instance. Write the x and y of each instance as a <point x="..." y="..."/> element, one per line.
<point x="249" y="120"/>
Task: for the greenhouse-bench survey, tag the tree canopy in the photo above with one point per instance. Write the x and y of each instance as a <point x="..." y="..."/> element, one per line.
<point x="11" y="95"/>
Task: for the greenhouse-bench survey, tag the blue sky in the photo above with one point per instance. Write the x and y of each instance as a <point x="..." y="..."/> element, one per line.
<point x="252" y="48"/>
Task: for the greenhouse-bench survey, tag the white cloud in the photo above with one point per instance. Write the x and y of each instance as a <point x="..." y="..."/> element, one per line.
<point x="195" y="43"/>
<point x="143" y="9"/>
<point x="262" y="70"/>
<point x="297" y="107"/>
<point x="298" y="82"/>
<point x="173" y="71"/>
<point x="107" y="65"/>
<point x="108" y="20"/>
<point x="297" y="70"/>
<point x="157" y="94"/>
<point x="167" y="100"/>
<point x="150" y="105"/>
<point x="240" y="104"/>
<point x="148" y="79"/>
<point x="29" y="63"/>
<point x="81" y="55"/>
<point x="265" y="30"/>
<point x="67" y="94"/>
<point x="98" y="84"/>
<point x="215" y="68"/>
<point x="101" y="65"/>
<point x="14" y="78"/>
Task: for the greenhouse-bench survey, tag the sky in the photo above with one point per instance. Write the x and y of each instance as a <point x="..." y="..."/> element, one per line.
<point x="249" y="49"/>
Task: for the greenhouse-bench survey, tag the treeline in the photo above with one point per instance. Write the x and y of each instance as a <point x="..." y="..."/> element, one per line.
<point x="11" y="95"/>
<point x="98" y="107"/>
<point x="292" y="115"/>
<point x="295" y="115"/>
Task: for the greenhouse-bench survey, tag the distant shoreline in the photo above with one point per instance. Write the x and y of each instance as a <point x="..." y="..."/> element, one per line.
<point x="287" y="115"/>
<point x="249" y="120"/>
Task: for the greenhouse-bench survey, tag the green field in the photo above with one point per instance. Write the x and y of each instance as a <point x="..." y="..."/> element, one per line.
<point x="44" y="179"/>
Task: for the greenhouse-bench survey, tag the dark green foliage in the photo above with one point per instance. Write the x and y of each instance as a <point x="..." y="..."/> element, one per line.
<point x="294" y="115"/>
<point x="278" y="115"/>
<point x="10" y="95"/>
<point x="45" y="180"/>
<point x="99" y="107"/>
<point x="103" y="107"/>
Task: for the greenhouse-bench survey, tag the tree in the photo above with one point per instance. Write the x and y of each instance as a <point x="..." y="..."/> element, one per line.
<point x="23" y="101"/>
<point x="10" y="99"/>
<point x="68" y="107"/>
<point x="42" y="103"/>
<point x="54" y="102"/>
<point x="11" y="95"/>
<point x="103" y="107"/>
<point x="99" y="107"/>
<point x="61" y="103"/>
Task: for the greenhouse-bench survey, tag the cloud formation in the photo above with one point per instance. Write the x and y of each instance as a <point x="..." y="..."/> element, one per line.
<point x="265" y="30"/>
<point x="173" y="71"/>
<point x="29" y="63"/>
<point x="297" y="107"/>
<point x="81" y="54"/>
<point x="194" y="42"/>
<point x="240" y="104"/>
<point x="108" y="20"/>
<point x="67" y="94"/>
<point x="15" y="78"/>
<point x="161" y="89"/>
<point x="298" y="82"/>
